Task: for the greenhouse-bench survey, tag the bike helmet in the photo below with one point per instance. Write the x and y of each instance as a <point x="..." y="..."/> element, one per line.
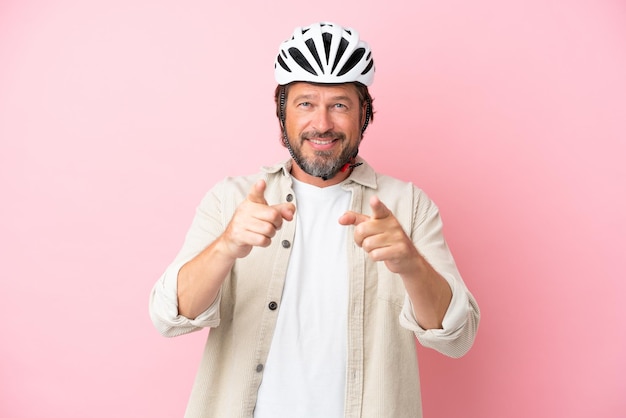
<point x="324" y="53"/>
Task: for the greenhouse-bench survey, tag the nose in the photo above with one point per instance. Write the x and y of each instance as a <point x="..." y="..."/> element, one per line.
<point x="322" y="121"/>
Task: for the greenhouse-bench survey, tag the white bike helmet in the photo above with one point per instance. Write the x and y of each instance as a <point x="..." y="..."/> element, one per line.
<point x="324" y="53"/>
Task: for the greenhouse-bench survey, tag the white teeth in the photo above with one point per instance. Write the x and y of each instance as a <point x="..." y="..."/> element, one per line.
<point x="318" y="142"/>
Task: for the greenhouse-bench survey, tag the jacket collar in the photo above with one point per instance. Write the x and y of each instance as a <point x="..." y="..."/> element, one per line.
<point x="363" y="174"/>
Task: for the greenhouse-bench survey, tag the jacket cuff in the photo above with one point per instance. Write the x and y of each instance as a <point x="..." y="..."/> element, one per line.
<point x="453" y="321"/>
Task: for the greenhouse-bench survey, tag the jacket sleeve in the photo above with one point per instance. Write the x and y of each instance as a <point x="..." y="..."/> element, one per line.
<point x="207" y="225"/>
<point x="460" y="323"/>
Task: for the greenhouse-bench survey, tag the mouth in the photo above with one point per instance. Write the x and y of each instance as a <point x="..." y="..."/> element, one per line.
<point x="318" y="141"/>
<point x="322" y="144"/>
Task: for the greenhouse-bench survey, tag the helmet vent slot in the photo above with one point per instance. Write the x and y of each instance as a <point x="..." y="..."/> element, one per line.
<point x="311" y="45"/>
<point x="369" y="67"/>
<point x="301" y="60"/>
<point x="352" y="61"/>
<point x="282" y="63"/>
<point x="343" y="44"/>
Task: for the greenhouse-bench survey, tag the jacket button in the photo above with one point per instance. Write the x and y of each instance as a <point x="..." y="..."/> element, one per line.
<point x="273" y="305"/>
<point x="259" y="368"/>
<point x="286" y="244"/>
<point x="289" y="197"/>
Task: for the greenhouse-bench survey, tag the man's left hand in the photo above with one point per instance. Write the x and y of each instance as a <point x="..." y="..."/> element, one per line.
<point x="383" y="238"/>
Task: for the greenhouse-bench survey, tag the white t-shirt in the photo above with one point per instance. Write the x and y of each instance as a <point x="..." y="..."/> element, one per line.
<point x="305" y="372"/>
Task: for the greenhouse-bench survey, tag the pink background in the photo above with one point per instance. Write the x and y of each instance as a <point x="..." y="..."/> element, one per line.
<point x="116" y="116"/>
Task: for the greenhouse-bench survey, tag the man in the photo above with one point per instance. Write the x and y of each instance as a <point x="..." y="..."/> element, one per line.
<point x="317" y="275"/>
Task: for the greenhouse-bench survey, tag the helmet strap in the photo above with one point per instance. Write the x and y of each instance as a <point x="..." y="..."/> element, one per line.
<point x="368" y="115"/>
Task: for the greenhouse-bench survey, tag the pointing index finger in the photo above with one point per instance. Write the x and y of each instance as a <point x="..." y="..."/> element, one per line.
<point x="256" y="194"/>
<point x="379" y="210"/>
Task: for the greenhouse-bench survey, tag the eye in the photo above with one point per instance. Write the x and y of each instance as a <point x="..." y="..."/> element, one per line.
<point x="304" y="104"/>
<point x="340" y="106"/>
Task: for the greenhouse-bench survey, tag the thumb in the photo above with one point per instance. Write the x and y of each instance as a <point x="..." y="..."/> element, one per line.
<point x="352" y="218"/>
<point x="379" y="210"/>
<point x="256" y="192"/>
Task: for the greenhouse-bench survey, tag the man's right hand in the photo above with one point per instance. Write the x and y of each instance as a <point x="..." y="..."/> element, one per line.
<point x="255" y="223"/>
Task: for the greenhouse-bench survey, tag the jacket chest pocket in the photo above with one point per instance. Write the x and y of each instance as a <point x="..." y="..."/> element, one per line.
<point x="389" y="286"/>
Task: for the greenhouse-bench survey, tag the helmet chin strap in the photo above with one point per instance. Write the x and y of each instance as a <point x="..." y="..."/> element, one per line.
<point x="350" y="165"/>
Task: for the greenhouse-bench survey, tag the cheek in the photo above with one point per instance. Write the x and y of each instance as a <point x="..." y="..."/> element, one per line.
<point x="295" y="124"/>
<point x="349" y="126"/>
<point x="292" y="130"/>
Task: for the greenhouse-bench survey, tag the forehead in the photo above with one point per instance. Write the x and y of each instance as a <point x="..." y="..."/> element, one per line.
<point x="346" y="90"/>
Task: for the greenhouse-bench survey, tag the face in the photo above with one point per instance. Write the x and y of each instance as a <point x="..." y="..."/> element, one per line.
<point x="323" y="126"/>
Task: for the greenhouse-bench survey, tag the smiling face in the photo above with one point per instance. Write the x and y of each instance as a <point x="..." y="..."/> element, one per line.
<point x="323" y="126"/>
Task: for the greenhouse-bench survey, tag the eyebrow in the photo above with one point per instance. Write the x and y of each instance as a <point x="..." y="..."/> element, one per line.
<point x="314" y="96"/>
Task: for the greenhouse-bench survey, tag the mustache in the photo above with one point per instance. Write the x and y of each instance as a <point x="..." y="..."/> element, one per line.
<point x="322" y="135"/>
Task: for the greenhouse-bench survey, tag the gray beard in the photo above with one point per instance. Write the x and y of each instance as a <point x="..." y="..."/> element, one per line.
<point x="323" y="164"/>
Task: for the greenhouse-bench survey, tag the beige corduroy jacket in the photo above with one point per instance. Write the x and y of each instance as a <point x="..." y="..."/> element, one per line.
<point x="382" y="370"/>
